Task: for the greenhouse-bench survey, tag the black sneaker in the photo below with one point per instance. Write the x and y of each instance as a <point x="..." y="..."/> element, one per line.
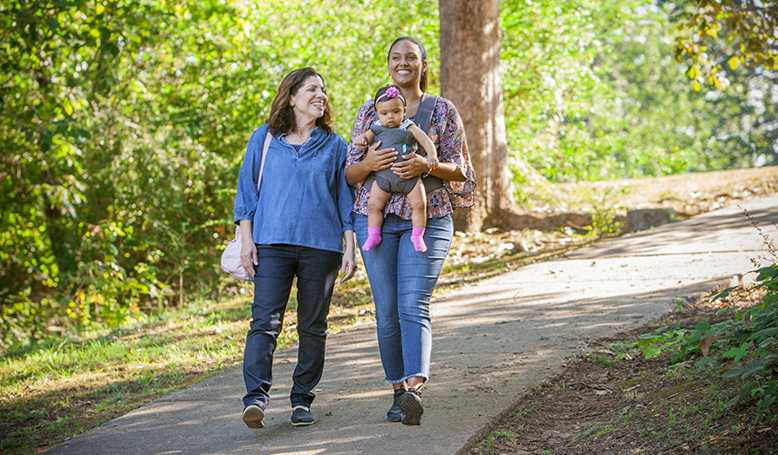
<point x="395" y="414"/>
<point x="302" y="416"/>
<point x="254" y="416"/>
<point x="410" y="404"/>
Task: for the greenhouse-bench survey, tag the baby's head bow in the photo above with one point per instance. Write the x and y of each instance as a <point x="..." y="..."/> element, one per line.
<point x="387" y="93"/>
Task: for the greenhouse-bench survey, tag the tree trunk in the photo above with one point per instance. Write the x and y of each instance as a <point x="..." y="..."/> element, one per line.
<point x="470" y="78"/>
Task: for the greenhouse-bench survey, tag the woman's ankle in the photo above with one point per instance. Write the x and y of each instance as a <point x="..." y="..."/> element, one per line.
<point x="414" y="384"/>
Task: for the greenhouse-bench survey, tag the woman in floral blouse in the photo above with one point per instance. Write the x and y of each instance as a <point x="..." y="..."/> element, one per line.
<point x="401" y="278"/>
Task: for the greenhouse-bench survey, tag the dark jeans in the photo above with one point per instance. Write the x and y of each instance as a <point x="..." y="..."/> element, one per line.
<point x="316" y="271"/>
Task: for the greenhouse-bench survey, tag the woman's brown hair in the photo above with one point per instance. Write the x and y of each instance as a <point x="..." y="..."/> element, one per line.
<point x="281" y="120"/>
<point x="423" y="80"/>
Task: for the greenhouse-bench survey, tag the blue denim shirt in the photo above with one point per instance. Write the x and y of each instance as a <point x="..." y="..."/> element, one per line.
<point x="304" y="198"/>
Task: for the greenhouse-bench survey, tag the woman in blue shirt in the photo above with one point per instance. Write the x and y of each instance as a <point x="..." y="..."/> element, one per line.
<point x="298" y="225"/>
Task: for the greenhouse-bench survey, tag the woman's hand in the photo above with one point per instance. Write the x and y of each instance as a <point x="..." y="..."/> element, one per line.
<point x="360" y="141"/>
<point x="248" y="251"/>
<point x="413" y="166"/>
<point x="248" y="255"/>
<point x="348" y="265"/>
<point x="376" y="160"/>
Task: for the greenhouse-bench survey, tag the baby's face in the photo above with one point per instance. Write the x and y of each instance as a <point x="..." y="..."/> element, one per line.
<point x="391" y="112"/>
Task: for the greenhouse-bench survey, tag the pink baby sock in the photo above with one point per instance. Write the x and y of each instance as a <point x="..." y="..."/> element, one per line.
<point x="373" y="238"/>
<point x="417" y="237"/>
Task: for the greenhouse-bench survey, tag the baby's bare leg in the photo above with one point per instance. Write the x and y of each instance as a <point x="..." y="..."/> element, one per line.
<point x="375" y="205"/>
<point x="418" y="200"/>
<point x="375" y="216"/>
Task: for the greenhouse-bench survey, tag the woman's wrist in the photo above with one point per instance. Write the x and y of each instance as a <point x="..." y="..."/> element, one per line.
<point x="450" y="172"/>
<point x="349" y="242"/>
<point x="245" y="231"/>
<point x="432" y="165"/>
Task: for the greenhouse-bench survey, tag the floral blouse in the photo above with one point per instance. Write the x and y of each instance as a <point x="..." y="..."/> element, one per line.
<point x="448" y="134"/>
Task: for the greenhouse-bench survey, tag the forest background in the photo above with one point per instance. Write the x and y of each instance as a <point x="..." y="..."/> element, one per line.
<point x="124" y="124"/>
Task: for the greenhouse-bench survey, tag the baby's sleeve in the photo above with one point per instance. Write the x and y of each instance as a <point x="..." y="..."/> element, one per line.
<point x="376" y="127"/>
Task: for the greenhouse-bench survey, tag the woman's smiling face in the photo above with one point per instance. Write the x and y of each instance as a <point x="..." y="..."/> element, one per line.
<point x="310" y="99"/>
<point x="406" y="64"/>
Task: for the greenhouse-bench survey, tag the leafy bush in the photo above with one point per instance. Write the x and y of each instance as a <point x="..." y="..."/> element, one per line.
<point x="742" y="347"/>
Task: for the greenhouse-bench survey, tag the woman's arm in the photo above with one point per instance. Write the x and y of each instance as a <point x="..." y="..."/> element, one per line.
<point x="374" y="160"/>
<point x="425" y="142"/>
<point x="417" y="165"/>
<point x="345" y="205"/>
<point x="348" y="265"/>
<point x="361" y="162"/>
<point x="245" y="204"/>
<point x="248" y="251"/>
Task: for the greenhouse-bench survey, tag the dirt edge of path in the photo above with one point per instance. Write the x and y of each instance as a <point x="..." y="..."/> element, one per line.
<point x="598" y="403"/>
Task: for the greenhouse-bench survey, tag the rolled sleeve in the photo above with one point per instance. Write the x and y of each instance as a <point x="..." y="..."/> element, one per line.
<point x="245" y="205"/>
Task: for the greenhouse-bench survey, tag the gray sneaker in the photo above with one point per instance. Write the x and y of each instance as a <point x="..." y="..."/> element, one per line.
<point x="254" y="416"/>
<point x="410" y="403"/>
<point x="302" y="416"/>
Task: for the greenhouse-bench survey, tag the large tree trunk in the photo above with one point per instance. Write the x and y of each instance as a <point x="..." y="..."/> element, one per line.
<point x="470" y="78"/>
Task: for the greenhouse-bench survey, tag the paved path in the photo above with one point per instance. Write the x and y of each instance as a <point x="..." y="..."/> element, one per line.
<point x="492" y="342"/>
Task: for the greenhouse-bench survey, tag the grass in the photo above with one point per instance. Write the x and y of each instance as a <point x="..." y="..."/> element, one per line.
<point x="59" y="389"/>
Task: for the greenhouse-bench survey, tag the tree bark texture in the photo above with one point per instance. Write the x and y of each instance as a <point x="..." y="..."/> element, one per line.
<point x="470" y="78"/>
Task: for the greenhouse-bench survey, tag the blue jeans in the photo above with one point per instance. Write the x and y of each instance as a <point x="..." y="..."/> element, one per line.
<point x="402" y="280"/>
<point x="316" y="271"/>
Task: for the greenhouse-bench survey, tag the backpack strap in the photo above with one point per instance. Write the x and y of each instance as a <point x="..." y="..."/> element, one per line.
<point x="265" y="145"/>
<point x="424" y="116"/>
<point x="424" y="112"/>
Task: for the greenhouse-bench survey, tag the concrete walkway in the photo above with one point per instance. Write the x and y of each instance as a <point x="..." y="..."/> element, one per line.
<point x="492" y="342"/>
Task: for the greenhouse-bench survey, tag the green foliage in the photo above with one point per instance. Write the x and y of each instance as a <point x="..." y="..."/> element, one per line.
<point x="742" y="347"/>
<point x="592" y="92"/>
<point x="124" y="124"/>
<point x="730" y="48"/>
<point x="61" y="127"/>
<point x="735" y="32"/>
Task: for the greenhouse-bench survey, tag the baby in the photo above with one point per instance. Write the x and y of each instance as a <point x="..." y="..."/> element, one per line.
<point x="393" y="130"/>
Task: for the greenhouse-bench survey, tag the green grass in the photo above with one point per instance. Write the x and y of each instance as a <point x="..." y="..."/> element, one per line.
<point x="58" y="389"/>
<point x="488" y="445"/>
